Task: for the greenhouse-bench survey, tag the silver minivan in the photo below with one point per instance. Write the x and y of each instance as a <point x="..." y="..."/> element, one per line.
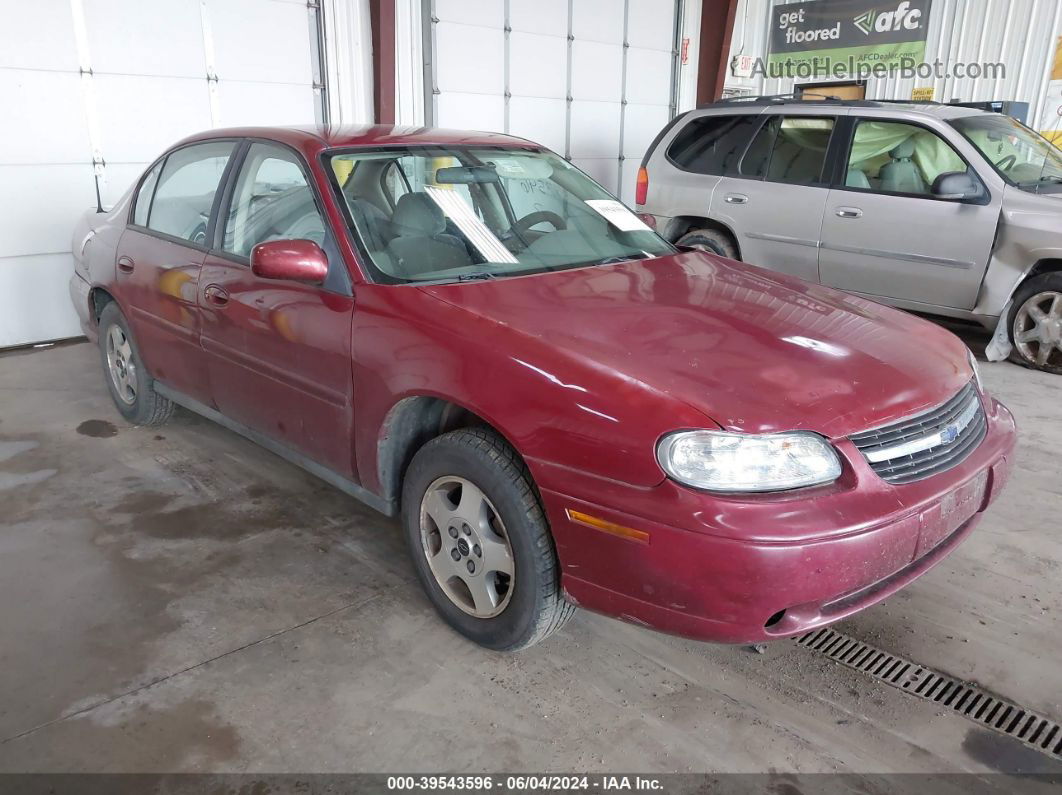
<point x="929" y="207"/>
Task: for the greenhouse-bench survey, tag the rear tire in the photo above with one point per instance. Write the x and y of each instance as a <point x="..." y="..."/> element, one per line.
<point x="713" y="240"/>
<point x="132" y="387"/>
<point x="1035" y="324"/>
<point x="480" y="542"/>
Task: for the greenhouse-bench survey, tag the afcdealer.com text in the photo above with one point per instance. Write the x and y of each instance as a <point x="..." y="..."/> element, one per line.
<point x="866" y="66"/>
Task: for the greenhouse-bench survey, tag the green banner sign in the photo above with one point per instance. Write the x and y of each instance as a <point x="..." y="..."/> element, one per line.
<point x="848" y="34"/>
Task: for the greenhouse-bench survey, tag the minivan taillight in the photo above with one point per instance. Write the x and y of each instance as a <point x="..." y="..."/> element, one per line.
<point x="641" y="187"/>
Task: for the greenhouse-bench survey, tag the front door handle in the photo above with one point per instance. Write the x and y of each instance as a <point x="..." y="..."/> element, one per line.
<point x="215" y="295"/>
<point x="736" y="198"/>
<point x="849" y="212"/>
<point x="125" y="264"/>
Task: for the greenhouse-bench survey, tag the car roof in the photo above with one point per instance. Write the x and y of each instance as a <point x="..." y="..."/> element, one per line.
<point x="314" y="138"/>
<point x="939" y="110"/>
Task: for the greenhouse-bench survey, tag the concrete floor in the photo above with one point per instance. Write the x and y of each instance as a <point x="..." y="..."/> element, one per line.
<point x="177" y="599"/>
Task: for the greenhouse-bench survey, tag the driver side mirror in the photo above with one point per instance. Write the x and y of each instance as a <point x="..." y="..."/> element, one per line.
<point x="294" y="260"/>
<point x="956" y="186"/>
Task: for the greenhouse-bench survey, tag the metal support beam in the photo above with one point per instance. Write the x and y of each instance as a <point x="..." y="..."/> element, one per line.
<point x="717" y="27"/>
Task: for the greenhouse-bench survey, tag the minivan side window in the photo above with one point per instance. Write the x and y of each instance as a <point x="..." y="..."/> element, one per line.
<point x="142" y="207"/>
<point x="712" y="144"/>
<point x="893" y="157"/>
<point x="185" y="192"/>
<point x="789" y="149"/>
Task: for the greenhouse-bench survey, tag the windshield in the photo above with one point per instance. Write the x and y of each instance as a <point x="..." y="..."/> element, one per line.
<point x="455" y="213"/>
<point x="1021" y="156"/>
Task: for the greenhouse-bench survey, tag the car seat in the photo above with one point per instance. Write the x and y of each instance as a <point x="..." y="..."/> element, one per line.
<point x="900" y="174"/>
<point x="857" y="178"/>
<point x="422" y="245"/>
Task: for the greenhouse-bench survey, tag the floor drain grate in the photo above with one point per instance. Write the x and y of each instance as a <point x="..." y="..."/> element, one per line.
<point x="1036" y="731"/>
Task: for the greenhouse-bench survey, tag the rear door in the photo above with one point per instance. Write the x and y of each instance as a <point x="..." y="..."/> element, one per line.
<point x="885" y="233"/>
<point x="159" y="259"/>
<point x="278" y="352"/>
<point x="775" y="200"/>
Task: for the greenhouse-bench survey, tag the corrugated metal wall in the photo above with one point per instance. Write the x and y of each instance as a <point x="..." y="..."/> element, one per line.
<point x="1018" y="33"/>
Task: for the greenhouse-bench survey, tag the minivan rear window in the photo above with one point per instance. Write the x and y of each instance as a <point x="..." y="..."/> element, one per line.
<point x="712" y="144"/>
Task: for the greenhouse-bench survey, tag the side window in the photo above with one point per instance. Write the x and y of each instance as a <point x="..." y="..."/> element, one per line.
<point x="712" y="144"/>
<point x="789" y="149"/>
<point x="143" y="196"/>
<point x="894" y="157"/>
<point x="272" y="201"/>
<point x="186" y="188"/>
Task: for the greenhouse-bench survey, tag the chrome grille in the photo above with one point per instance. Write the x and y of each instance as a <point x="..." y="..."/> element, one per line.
<point x="921" y="446"/>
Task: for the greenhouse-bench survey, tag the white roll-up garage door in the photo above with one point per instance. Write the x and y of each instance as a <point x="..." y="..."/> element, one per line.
<point x="96" y="89"/>
<point x="591" y="79"/>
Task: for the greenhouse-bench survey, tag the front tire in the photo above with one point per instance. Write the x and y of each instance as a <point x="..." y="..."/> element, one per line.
<point x="1035" y="323"/>
<point x="132" y="387"/>
<point x="480" y="543"/>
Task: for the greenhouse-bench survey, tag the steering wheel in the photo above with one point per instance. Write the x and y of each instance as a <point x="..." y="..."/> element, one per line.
<point x="1010" y="160"/>
<point x="537" y="217"/>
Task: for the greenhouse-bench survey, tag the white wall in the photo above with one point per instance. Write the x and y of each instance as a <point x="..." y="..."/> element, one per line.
<point x="590" y="79"/>
<point x="94" y="90"/>
<point x="1018" y="33"/>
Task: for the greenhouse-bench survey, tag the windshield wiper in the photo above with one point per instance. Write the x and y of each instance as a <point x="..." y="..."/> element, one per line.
<point x="623" y="258"/>
<point x="475" y="277"/>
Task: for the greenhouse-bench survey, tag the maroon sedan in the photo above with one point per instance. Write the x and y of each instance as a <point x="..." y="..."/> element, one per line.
<point x="465" y="331"/>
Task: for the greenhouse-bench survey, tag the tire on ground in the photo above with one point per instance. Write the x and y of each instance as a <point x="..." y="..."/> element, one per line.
<point x="714" y="240"/>
<point x="148" y="406"/>
<point x="1047" y="282"/>
<point x="536" y="608"/>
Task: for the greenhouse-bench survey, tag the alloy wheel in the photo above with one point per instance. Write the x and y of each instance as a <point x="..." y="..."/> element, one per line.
<point x="1038" y="329"/>
<point x="120" y="365"/>
<point x="467" y="547"/>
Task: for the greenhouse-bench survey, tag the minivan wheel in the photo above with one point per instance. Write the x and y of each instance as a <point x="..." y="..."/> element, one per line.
<point x="480" y="543"/>
<point x="713" y="240"/>
<point x="132" y="387"/>
<point x="1036" y="323"/>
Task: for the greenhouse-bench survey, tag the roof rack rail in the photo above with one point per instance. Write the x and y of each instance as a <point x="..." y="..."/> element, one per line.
<point x="816" y="98"/>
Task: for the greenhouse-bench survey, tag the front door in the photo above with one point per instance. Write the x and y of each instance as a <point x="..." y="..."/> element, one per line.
<point x="159" y="259"/>
<point x="886" y="234"/>
<point x="278" y="352"/>
<point x="775" y="202"/>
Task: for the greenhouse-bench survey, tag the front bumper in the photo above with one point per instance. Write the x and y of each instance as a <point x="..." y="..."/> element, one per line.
<point x="758" y="567"/>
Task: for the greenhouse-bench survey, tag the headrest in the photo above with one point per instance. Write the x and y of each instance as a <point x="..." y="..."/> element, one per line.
<point x="904" y="150"/>
<point x="416" y="215"/>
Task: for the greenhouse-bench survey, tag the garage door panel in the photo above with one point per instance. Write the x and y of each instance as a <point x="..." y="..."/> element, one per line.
<point x="49" y="104"/>
<point x="489" y="13"/>
<point x="252" y="104"/>
<point x="602" y="170"/>
<point x="650" y="25"/>
<point x="598" y="20"/>
<point x="539" y="16"/>
<point x="43" y="202"/>
<point x="540" y="120"/>
<point x="630" y="176"/>
<point x="641" y="123"/>
<point x="597" y="71"/>
<point x="118" y="178"/>
<point x="595" y="129"/>
<point x="34" y="299"/>
<point x="141" y="116"/>
<point x="134" y="37"/>
<point x="648" y="76"/>
<point x="476" y="111"/>
<point x="253" y="41"/>
<point x="38" y="35"/>
<point x="538" y="65"/>
<point x="471" y="59"/>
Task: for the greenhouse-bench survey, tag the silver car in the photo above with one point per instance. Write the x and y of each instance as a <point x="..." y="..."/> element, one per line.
<point x="932" y="208"/>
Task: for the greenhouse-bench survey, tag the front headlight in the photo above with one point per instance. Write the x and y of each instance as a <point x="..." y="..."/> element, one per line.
<point x="721" y="461"/>
<point x="976" y="370"/>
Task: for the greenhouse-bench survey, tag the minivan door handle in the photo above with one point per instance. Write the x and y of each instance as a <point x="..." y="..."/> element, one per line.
<point x="125" y="265"/>
<point x="215" y="295"/>
<point x="849" y="212"/>
<point x="736" y="198"/>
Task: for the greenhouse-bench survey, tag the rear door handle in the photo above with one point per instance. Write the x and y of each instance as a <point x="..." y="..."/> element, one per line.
<point x="736" y="198"/>
<point x="849" y="212"/>
<point x="125" y="265"/>
<point x="215" y="295"/>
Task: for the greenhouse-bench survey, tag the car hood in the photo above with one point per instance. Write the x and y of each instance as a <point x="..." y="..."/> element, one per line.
<point x="754" y="350"/>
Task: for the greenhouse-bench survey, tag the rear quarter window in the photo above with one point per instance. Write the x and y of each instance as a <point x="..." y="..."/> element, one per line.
<point x="712" y="144"/>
